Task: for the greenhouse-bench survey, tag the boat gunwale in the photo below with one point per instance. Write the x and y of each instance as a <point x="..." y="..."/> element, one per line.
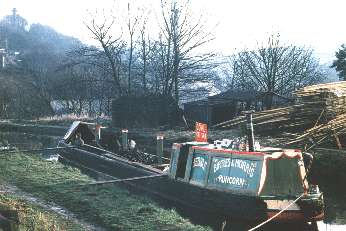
<point x="115" y="157"/>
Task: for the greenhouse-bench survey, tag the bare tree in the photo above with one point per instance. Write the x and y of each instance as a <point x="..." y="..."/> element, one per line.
<point x="182" y="33"/>
<point x="91" y="72"/>
<point x="275" y="68"/>
<point x="145" y="47"/>
<point x="109" y="44"/>
<point x="132" y="22"/>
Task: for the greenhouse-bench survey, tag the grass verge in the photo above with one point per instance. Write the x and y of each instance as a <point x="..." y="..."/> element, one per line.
<point x="111" y="207"/>
<point x="34" y="217"/>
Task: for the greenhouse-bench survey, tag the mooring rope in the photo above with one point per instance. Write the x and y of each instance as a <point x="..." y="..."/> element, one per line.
<point x="276" y="214"/>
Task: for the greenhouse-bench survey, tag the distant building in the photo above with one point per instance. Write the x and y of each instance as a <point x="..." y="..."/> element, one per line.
<point x="3" y="58"/>
<point x="228" y="105"/>
<point x="9" y="58"/>
<point x="135" y="109"/>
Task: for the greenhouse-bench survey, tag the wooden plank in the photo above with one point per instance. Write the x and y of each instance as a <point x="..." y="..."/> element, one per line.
<point x="123" y="180"/>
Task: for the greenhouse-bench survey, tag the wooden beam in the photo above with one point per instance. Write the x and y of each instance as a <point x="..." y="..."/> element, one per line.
<point x="123" y="180"/>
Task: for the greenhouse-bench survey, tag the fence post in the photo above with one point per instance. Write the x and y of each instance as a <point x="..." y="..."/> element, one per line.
<point x="124" y="136"/>
<point x="98" y="132"/>
<point x="98" y="128"/>
<point x="159" y="149"/>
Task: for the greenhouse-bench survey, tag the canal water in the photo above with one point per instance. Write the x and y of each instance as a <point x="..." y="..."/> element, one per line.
<point x="23" y="141"/>
<point x="335" y="197"/>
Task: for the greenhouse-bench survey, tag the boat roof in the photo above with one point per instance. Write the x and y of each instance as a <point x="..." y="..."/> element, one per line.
<point x="80" y="127"/>
<point x="263" y="151"/>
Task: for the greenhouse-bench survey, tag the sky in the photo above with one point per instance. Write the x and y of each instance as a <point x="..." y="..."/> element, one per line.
<point x="242" y="23"/>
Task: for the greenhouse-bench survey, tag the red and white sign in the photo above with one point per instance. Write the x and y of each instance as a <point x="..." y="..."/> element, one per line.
<point x="201" y="132"/>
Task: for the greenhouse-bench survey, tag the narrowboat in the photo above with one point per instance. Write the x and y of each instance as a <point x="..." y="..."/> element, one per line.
<point x="249" y="181"/>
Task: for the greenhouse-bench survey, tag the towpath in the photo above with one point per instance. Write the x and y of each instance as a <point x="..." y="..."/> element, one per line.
<point x="6" y="187"/>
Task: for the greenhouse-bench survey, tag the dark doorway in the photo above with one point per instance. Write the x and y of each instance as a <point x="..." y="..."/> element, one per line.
<point x="223" y="113"/>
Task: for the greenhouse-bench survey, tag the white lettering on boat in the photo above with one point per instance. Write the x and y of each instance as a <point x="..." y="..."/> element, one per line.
<point x="199" y="162"/>
<point x="238" y="163"/>
<point x="231" y="180"/>
<point x="225" y="163"/>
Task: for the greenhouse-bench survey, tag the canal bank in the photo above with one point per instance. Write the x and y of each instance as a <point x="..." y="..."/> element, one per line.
<point x="111" y="207"/>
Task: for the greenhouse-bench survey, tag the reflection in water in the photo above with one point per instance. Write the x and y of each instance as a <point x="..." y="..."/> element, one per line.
<point x="335" y="200"/>
<point x="23" y="141"/>
<point x="335" y="213"/>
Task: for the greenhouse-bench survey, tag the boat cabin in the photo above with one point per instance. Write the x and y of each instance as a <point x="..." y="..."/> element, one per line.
<point x="266" y="172"/>
<point x="88" y="136"/>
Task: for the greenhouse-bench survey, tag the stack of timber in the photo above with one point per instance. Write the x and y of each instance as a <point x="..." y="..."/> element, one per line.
<point x="275" y="117"/>
<point x="318" y="117"/>
<point x="321" y="112"/>
<point x="319" y="104"/>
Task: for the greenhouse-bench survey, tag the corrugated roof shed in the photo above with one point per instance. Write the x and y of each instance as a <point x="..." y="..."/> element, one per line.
<point x="227" y="105"/>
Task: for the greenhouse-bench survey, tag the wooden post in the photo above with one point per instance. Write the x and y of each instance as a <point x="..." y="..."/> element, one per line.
<point x="98" y="132"/>
<point x="249" y="129"/>
<point x="98" y="128"/>
<point x="124" y="135"/>
<point x="159" y="149"/>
